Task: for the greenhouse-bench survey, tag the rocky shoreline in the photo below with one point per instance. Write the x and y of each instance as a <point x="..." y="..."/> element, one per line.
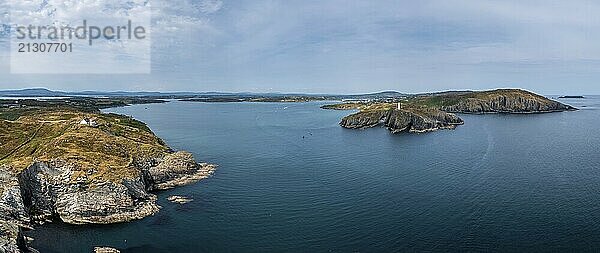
<point x="83" y="168"/>
<point x="44" y="193"/>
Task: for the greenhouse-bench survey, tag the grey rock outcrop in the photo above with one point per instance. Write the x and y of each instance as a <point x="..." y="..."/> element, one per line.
<point x="398" y="121"/>
<point x="13" y="214"/>
<point x="403" y="120"/>
<point x="48" y="191"/>
<point x="178" y="169"/>
<point x="364" y="119"/>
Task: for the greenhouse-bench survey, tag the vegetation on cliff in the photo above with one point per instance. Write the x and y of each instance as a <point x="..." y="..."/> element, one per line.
<point x="81" y="166"/>
<point x="105" y="151"/>
<point x="430" y="112"/>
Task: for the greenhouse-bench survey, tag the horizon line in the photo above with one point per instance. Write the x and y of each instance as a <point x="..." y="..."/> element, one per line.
<point x="279" y="92"/>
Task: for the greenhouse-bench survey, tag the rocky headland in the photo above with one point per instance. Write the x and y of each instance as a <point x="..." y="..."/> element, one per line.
<point x="83" y="168"/>
<point x="398" y="120"/>
<point x="431" y="112"/>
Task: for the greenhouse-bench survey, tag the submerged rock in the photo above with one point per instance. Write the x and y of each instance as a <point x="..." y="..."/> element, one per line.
<point x="106" y="250"/>
<point x="179" y="199"/>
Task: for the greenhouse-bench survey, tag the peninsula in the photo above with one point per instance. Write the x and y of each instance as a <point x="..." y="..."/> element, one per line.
<point x="65" y="161"/>
<point x="430" y="112"/>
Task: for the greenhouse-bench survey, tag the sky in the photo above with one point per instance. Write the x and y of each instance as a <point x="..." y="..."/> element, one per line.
<point x="342" y="46"/>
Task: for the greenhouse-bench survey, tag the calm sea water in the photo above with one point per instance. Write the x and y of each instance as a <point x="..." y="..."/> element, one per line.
<point x="291" y="180"/>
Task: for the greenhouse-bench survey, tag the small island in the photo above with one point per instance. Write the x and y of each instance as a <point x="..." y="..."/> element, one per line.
<point x="571" y="97"/>
<point x="434" y="111"/>
<point x="64" y="160"/>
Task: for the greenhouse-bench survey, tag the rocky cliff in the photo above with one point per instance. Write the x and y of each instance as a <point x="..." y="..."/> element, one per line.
<point x="45" y="192"/>
<point x="364" y="119"/>
<point x="420" y="121"/>
<point x="403" y="120"/>
<point x="49" y="192"/>
<point x="502" y="101"/>
<point x="13" y="215"/>
<point x="83" y="174"/>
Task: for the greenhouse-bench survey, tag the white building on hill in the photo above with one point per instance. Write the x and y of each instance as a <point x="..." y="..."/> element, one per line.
<point x="88" y="122"/>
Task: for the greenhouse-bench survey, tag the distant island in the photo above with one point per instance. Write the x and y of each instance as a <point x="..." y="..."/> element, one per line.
<point x="430" y="112"/>
<point x="571" y="97"/>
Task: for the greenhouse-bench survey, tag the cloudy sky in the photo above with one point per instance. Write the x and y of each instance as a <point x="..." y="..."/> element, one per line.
<point x="346" y="46"/>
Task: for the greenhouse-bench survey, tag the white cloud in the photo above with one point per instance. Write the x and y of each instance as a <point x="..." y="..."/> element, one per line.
<point x="210" y="6"/>
<point x="168" y="20"/>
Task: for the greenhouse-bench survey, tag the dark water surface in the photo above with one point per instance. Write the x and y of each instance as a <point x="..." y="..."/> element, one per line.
<point x="528" y="183"/>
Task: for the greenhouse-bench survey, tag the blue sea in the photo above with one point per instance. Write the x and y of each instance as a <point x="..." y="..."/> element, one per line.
<point x="290" y="179"/>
